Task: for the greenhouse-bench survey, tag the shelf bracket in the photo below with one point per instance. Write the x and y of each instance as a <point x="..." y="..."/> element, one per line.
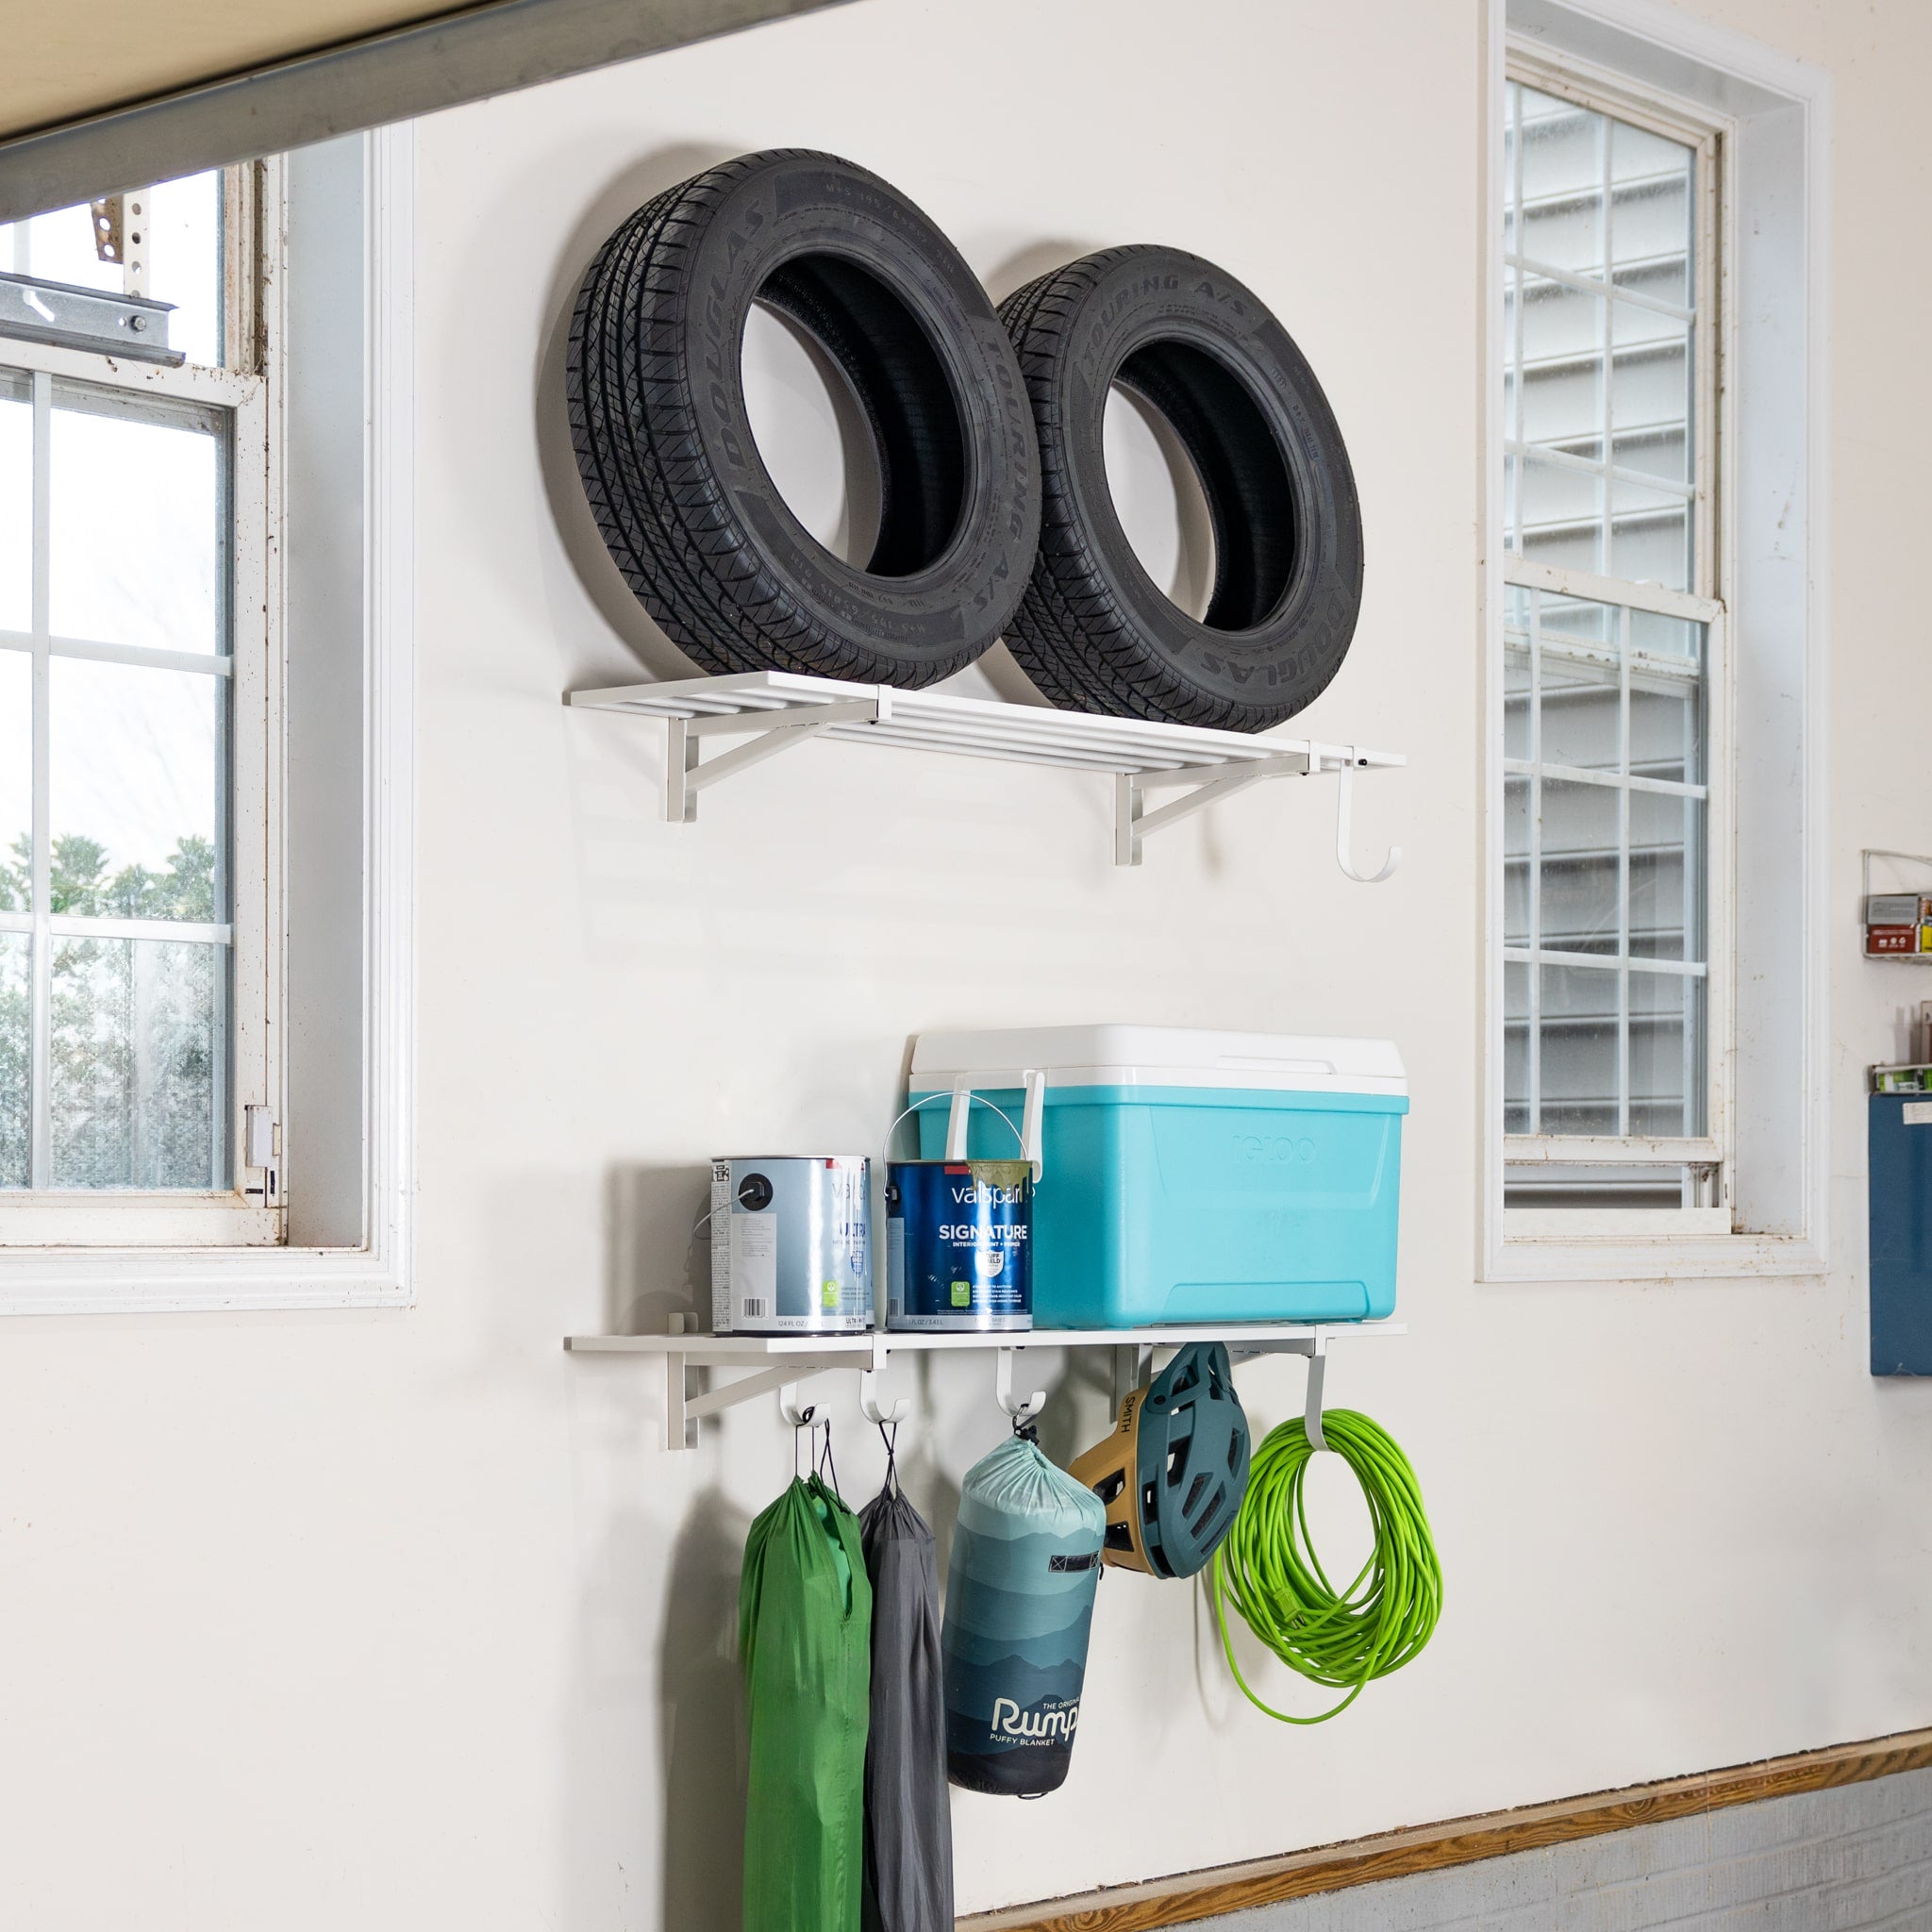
<point x="685" y="776"/>
<point x="684" y="1409"/>
<point x="1133" y="822"/>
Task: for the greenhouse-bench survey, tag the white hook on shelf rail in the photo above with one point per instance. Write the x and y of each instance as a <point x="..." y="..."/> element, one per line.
<point x="1021" y="1407"/>
<point x="799" y="1416"/>
<point x="868" y="1404"/>
<point x="1311" y="1414"/>
<point x="1344" y="809"/>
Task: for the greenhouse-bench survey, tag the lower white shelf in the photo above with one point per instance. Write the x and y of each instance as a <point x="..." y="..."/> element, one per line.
<point x="789" y="1361"/>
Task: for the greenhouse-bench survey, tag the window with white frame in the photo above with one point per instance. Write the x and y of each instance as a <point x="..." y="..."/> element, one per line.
<point x="1615" y="897"/>
<point x="138" y="703"/>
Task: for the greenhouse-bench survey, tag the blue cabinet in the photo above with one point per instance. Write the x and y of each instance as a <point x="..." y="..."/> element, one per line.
<point x="1901" y="1163"/>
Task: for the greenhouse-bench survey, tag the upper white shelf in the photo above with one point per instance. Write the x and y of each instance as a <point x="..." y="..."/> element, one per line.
<point x="785" y="710"/>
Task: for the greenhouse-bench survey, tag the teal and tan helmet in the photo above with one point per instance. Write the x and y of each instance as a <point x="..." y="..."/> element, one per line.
<point x="1172" y="1470"/>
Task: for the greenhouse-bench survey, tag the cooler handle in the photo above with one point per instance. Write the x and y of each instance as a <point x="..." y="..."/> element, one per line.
<point x="959" y="1103"/>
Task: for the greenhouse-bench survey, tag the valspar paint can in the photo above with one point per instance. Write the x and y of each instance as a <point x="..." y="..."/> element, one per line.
<point x="791" y="1244"/>
<point x="959" y="1244"/>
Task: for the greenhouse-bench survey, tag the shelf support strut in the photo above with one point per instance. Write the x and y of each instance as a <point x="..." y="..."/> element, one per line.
<point x="685" y="777"/>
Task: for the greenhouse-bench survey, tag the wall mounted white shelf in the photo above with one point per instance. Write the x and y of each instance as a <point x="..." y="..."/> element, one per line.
<point x="780" y="710"/>
<point x="780" y="1363"/>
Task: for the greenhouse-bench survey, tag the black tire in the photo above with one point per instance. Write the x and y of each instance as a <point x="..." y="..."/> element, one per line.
<point x="1095" y="631"/>
<point x="674" y="475"/>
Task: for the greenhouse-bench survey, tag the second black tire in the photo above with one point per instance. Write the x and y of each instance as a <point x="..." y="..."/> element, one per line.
<point x="671" y="470"/>
<point x="1095" y="631"/>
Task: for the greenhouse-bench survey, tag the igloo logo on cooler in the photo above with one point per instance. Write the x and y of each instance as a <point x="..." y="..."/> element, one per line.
<point x="1054" y="1719"/>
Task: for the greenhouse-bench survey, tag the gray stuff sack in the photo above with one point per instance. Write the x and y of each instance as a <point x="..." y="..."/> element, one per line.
<point x="909" y="1819"/>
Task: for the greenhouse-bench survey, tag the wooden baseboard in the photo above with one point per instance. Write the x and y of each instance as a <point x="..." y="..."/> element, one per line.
<point x="1195" y="1895"/>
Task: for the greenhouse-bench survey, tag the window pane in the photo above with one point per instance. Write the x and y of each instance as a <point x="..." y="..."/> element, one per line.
<point x="134" y="784"/>
<point x="1666" y="1054"/>
<point x="1559" y="515"/>
<point x="16" y="952"/>
<point x="138" y="1062"/>
<point x="16" y="781"/>
<point x="176" y="228"/>
<point x="1650" y="535"/>
<point x="135" y="531"/>
<point x="1666" y="842"/>
<point x="1599" y="348"/>
<point x="1666" y="730"/>
<point x="1515" y="1048"/>
<point x="16" y="503"/>
<point x="1515" y="863"/>
<point x="1579" y="868"/>
<point x="1582" y="705"/>
<point x="1578" y="1051"/>
<point x="1516" y="686"/>
<point x="185" y="262"/>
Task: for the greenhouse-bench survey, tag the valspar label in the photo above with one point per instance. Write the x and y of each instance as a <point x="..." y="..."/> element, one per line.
<point x="959" y="1244"/>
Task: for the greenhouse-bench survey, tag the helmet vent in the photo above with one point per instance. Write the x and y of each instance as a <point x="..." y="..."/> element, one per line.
<point x="1109" y="1487"/>
<point x="1233" y="1453"/>
<point x="1119" y="1537"/>
<point x="1177" y="1461"/>
<point x="1195" y="1490"/>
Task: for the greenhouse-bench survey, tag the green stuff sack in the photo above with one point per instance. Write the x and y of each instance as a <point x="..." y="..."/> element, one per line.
<point x="805" y="1646"/>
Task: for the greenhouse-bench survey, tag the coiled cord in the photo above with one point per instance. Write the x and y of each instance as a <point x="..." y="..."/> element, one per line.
<point x="1266" y="1565"/>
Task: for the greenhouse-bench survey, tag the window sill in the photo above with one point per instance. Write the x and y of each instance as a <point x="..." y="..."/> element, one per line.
<point x="132" y="1281"/>
<point x="1664" y="1257"/>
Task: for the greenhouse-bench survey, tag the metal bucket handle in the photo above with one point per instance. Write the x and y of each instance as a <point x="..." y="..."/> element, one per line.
<point x="962" y="1099"/>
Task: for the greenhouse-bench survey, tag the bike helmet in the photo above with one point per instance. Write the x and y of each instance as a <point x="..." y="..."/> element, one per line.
<point x="1173" y="1470"/>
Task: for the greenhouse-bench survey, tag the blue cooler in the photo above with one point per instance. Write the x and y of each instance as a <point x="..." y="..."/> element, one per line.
<point x="1190" y="1177"/>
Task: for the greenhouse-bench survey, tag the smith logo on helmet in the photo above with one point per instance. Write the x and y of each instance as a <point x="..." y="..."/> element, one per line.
<point x="1048" y="1720"/>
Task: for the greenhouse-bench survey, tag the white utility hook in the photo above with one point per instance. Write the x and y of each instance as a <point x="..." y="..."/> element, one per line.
<point x="1311" y="1414"/>
<point x="870" y="1407"/>
<point x="1021" y="1407"/>
<point x="1344" y="807"/>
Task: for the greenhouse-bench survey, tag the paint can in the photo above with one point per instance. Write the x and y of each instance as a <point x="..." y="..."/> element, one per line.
<point x="791" y="1244"/>
<point x="959" y="1244"/>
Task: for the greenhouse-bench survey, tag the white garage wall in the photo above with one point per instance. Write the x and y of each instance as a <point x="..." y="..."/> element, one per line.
<point x="402" y="1620"/>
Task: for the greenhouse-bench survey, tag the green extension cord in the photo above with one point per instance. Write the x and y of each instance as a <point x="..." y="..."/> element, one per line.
<point x="1268" y="1567"/>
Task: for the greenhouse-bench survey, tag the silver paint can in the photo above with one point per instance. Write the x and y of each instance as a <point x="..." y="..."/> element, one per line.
<point x="791" y="1244"/>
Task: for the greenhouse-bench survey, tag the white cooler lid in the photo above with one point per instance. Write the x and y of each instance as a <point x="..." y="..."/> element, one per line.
<point x="1157" y="1057"/>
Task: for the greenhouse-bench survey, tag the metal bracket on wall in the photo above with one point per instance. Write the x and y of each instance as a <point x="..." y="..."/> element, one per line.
<point x="684" y="1408"/>
<point x="685" y="776"/>
<point x="1133" y="822"/>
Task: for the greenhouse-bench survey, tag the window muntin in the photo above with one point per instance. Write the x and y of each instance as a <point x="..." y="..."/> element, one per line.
<point x="136" y="953"/>
<point x="1613" y="917"/>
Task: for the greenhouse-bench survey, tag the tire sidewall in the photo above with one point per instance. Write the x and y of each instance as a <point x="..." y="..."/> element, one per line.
<point x="1151" y="295"/>
<point x="792" y="205"/>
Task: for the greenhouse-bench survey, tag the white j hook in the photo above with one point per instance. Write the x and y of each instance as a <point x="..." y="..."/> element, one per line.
<point x="1311" y="1414"/>
<point x="1021" y="1407"/>
<point x="869" y="1404"/>
<point x="1344" y="805"/>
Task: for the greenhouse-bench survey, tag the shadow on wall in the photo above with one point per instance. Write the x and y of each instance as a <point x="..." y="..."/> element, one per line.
<point x="701" y="1726"/>
<point x="654" y="1217"/>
